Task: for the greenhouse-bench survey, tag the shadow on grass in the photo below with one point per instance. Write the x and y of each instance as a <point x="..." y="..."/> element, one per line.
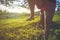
<point x="55" y="33"/>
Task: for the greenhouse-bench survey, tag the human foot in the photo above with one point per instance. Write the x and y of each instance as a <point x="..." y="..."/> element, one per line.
<point x="30" y="18"/>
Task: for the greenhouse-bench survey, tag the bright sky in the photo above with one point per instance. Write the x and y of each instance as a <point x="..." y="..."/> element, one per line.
<point x="15" y="8"/>
<point x="58" y="0"/>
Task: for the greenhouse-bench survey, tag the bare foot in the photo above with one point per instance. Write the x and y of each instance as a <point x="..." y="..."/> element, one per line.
<point x="30" y="18"/>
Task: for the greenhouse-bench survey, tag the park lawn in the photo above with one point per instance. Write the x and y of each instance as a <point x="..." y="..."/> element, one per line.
<point x="20" y="29"/>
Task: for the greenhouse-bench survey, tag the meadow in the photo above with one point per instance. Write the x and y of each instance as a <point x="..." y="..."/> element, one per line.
<point x="14" y="26"/>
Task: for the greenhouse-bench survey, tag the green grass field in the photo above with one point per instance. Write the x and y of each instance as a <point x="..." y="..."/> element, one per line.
<point x="17" y="28"/>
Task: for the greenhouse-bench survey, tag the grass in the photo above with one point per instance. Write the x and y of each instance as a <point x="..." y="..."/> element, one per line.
<point x="20" y="29"/>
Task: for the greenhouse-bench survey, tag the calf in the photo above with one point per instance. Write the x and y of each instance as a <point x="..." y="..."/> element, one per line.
<point x="47" y="11"/>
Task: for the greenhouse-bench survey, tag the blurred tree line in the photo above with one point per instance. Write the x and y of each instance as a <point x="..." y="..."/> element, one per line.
<point x="24" y="3"/>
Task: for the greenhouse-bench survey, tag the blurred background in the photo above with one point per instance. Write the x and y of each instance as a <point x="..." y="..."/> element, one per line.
<point x="18" y="6"/>
<point x="14" y="24"/>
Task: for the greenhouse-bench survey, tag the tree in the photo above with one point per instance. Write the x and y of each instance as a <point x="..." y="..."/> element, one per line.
<point x="9" y="2"/>
<point x="6" y="1"/>
<point x="24" y="4"/>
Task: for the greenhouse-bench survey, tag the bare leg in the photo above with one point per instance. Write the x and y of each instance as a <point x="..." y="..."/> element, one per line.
<point x="42" y="18"/>
<point x="31" y="5"/>
<point x="47" y="21"/>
